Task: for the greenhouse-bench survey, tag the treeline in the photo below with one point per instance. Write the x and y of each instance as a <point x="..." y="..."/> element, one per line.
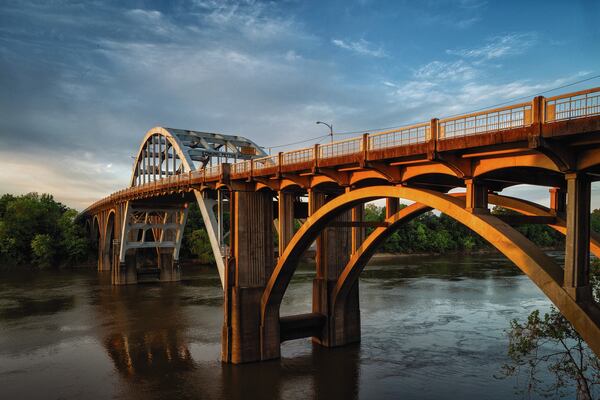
<point x="37" y="230"/>
<point x="438" y="233"/>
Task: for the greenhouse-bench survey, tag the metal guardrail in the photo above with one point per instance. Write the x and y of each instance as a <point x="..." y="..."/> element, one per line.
<point x="585" y="103"/>
<point x="514" y="116"/>
<point x="241" y="167"/>
<point x="340" y="148"/>
<point x="265" y="162"/>
<point x="212" y="171"/>
<point x="419" y="133"/>
<point x="298" y="156"/>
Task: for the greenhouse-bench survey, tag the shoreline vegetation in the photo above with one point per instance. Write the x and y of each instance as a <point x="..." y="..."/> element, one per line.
<point x="36" y="230"/>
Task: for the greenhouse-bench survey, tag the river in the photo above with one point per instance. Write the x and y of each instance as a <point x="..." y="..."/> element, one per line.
<point x="432" y="328"/>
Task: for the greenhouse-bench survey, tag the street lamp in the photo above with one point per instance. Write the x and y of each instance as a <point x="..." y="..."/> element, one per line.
<point x="330" y="126"/>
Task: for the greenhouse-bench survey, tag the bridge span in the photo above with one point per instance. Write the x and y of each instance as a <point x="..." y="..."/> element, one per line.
<point x="247" y="198"/>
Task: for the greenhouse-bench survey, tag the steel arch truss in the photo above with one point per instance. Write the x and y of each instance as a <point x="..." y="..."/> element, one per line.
<point x="165" y="152"/>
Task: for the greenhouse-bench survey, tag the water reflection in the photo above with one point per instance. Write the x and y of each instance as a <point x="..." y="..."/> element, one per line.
<point x="319" y="373"/>
<point x="21" y="307"/>
<point x="144" y="334"/>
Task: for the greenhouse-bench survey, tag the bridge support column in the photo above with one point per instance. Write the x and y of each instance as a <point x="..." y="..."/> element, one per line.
<point x="392" y="206"/>
<point x="333" y="252"/>
<point x="285" y="219"/>
<point x="477" y="197"/>
<point x="124" y="272"/>
<point x="358" y="232"/>
<point x="558" y="201"/>
<point x="168" y="266"/>
<point x="577" y="249"/>
<point x="246" y="276"/>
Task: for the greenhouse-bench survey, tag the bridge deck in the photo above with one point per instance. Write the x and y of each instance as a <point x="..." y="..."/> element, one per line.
<point x="518" y="126"/>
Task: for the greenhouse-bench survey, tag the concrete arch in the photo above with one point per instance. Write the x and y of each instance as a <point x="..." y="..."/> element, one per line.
<point x="588" y="159"/>
<point x="539" y="267"/>
<point x="360" y="258"/>
<point x="415" y="171"/>
<point x="536" y="160"/>
<point x="108" y="236"/>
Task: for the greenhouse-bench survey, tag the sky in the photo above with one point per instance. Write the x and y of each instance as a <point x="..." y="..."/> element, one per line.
<point x="81" y="82"/>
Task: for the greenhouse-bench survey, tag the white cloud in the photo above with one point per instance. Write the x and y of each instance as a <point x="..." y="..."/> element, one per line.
<point x="499" y="46"/>
<point x="438" y="70"/>
<point x="361" y="47"/>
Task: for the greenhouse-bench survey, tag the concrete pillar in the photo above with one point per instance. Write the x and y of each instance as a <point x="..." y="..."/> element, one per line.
<point x="358" y="232"/>
<point x="247" y="274"/>
<point x="169" y="268"/>
<point x="392" y="206"/>
<point x="477" y="197"/>
<point x="558" y="201"/>
<point x="577" y="248"/>
<point x="333" y="252"/>
<point x="123" y="273"/>
<point x="285" y="219"/>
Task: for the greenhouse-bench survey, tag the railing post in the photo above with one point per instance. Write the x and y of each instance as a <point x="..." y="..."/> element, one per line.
<point x="433" y="130"/>
<point x="279" y="162"/>
<point x="316" y="156"/>
<point x="537" y="110"/>
<point x="365" y="146"/>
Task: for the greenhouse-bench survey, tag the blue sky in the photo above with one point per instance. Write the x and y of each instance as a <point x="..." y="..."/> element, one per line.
<point x="82" y="82"/>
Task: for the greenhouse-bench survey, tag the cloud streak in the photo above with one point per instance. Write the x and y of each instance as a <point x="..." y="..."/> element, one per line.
<point x="361" y="47"/>
<point x="499" y="46"/>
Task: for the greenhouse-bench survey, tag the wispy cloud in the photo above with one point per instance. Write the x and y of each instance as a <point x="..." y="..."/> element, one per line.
<point x="361" y="47"/>
<point x="438" y="70"/>
<point x="499" y="46"/>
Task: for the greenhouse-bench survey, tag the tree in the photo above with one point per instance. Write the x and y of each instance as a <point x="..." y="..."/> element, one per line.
<point x="200" y="246"/>
<point x="551" y="343"/>
<point x="37" y="229"/>
<point x="44" y="250"/>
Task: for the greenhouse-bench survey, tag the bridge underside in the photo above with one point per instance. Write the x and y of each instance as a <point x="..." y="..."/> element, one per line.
<point x="317" y="197"/>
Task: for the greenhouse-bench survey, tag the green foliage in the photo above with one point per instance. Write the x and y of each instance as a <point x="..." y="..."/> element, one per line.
<point x="595" y="221"/>
<point x="551" y="343"/>
<point x="44" y="249"/>
<point x="37" y="229"/>
<point x="196" y="243"/>
<point x="200" y="246"/>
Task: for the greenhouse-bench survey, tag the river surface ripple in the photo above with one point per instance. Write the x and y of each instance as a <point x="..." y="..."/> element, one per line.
<point x="432" y="328"/>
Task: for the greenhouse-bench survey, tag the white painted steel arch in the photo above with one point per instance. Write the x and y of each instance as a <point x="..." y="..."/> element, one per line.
<point x="166" y="151"/>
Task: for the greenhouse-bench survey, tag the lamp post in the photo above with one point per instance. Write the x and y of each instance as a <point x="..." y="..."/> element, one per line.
<point x="330" y="126"/>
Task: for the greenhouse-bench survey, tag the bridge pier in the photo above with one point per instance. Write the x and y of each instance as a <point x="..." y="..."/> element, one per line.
<point x="334" y="246"/>
<point x="168" y="267"/>
<point x="577" y="246"/>
<point x="123" y="272"/>
<point x="477" y="197"/>
<point x="247" y="272"/>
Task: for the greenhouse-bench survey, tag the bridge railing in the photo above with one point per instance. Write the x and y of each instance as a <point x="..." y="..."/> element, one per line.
<point x="498" y="119"/>
<point x="262" y="163"/>
<point x="585" y="103"/>
<point x="340" y="148"/>
<point x="412" y="134"/>
<point x="212" y="171"/>
<point x="298" y="156"/>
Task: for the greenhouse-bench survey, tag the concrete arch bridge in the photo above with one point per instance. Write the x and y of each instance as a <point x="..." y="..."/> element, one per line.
<point x="245" y="196"/>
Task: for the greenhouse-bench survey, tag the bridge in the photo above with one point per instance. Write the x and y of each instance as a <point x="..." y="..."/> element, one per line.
<point x="456" y="165"/>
